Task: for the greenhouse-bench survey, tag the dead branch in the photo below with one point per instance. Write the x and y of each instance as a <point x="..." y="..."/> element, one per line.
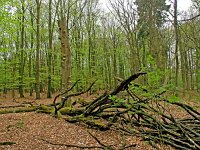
<point x="57" y="96"/>
<point x="7" y="143"/>
<point x="69" y="96"/>
<point x="72" y="146"/>
<point x="148" y="117"/>
<point x="105" y="98"/>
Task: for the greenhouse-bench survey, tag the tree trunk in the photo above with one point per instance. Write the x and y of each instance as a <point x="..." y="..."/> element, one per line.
<point x="21" y="67"/>
<point x="30" y="56"/>
<point x="176" y="41"/>
<point x="198" y="69"/>
<point x="37" y="63"/>
<point x="49" y="50"/>
<point x="66" y="54"/>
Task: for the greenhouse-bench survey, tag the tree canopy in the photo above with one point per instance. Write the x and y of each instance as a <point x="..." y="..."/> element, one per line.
<point x="128" y="37"/>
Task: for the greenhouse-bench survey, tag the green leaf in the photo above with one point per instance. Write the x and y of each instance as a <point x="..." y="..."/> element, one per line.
<point x="173" y="99"/>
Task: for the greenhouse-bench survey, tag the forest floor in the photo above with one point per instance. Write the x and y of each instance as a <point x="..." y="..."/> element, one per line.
<point x="36" y="131"/>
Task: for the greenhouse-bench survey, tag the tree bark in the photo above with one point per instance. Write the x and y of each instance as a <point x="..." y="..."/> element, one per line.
<point x="30" y="55"/>
<point x="176" y="41"/>
<point x="37" y="62"/>
<point x="21" y="67"/>
<point x="49" y="50"/>
<point x="65" y="52"/>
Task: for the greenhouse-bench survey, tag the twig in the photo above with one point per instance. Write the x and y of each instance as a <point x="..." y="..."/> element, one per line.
<point x="189" y="19"/>
<point x="71" y="145"/>
<point x="98" y="141"/>
<point x="54" y="101"/>
<point x="7" y="143"/>
<point x="129" y="146"/>
<point x="72" y="95"/>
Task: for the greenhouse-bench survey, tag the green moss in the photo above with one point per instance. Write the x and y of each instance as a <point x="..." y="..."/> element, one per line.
<point x="18" y="110"/>
<point x="81" y="115"/>
<point x="97" y="124"/>
<point x="66" y="110"/>
<point x="45" y="109"/>
<point x="6" y="111"/>
<point x="71" y="111"/>
<point x="59" y="115"/>
<point x="82" y="118"/>
<point x="82" y="101"/>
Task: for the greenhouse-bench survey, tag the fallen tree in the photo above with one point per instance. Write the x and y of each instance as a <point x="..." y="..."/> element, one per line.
<point x="149" y="117"/>
<point x="17" y="109"/>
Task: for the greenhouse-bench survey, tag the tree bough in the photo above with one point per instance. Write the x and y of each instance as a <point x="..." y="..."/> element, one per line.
<point x="147" y="117"/>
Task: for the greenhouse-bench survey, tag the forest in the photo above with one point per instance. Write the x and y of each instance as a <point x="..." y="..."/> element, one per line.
<point x="110" y="65"/>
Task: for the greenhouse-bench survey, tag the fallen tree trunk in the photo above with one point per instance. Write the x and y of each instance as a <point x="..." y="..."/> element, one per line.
<point x="103" y="100"/>
<point x="147" y="117"/>
<point x="19" y="110"/>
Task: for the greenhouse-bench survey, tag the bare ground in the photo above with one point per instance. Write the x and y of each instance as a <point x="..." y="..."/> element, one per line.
<point x="31" y="131"/>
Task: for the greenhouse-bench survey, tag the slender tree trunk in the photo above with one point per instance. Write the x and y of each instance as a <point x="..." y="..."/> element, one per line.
<point x="176" y="42"/>
<point x="191" y="69"/>
<point x="106" y="73"/>
<point x="198" y="69"/>
<point x="5" y="73"/>
<point x="17" y="50"/>
<point x="13" y="74"/>
<point x="115" y="66"/>
<point x="37" y="62"/>
<point x="144" y="59"/>
<point x="114" y="62"/>
<point x="49" y="50"/>
<point x="21" y="67"/>
<point x="186" y="70"/>
<point x="30" y="56"/>
<point x="182" y="63"/>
